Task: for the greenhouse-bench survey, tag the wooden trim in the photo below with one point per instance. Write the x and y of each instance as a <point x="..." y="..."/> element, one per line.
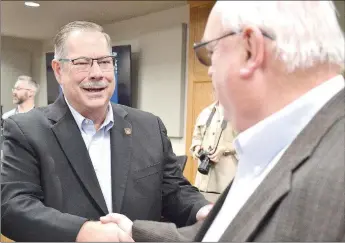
<point x="189" y="168"/>
<point x="191" y="165"/>
<point x="5" y="239"/>
<point x="194" y="78"/>
<point x="193" y="4"/>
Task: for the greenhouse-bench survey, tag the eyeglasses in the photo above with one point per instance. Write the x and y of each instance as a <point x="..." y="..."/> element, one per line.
<point x="203" y="54"/>
<point x="84" y="64"/>
<point x="19" y="89"/>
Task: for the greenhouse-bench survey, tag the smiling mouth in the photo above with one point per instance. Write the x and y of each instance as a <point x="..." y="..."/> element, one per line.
<point x="93" y="90"/>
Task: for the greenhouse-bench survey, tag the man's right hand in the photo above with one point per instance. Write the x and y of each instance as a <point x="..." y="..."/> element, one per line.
<point x="121" y="220"/>
<point x="98" y="232"/>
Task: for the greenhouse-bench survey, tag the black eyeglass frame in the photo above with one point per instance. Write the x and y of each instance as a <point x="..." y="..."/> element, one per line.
<point x="196" y="46"/>
<point x="87" y="58"/>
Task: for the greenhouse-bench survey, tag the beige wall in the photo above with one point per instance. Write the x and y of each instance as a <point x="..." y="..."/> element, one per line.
<point x="156" y="37"/>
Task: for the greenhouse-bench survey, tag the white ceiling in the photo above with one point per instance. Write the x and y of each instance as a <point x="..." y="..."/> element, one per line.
<point x="43" y="22"/>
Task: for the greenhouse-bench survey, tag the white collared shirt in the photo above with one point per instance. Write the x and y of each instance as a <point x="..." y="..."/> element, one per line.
<point x="98" y="146"/>
<point x="260" y="147"/>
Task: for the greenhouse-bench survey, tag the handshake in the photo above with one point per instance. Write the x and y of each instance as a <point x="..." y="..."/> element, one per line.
<point x="116" y="227"/>
<point x="111" y="228"/>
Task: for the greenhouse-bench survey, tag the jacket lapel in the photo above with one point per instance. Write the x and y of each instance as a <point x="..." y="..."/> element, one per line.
<point x="71" y="142"/>
<point x="121" y="148"/>
<point x="278" y="182"/>
<point x="258" y="205"/>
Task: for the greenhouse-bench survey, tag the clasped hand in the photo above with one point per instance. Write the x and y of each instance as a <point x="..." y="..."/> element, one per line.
<point x="124" y="224"/>
<point x="116" y="227"/>
<point x="111" y="228"/>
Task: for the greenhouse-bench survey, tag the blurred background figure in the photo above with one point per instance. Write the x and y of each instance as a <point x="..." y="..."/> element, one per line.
<point x="24" y="92"/>
<point x="213" y="150"/>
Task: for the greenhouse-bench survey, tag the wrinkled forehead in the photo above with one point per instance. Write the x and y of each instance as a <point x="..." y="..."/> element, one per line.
<point x="87" y="44"/>
<point x="214" y="27"/>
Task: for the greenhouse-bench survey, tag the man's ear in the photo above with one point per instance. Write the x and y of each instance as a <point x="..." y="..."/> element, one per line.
<point x="57" y="67"/>
<point x="254" y="46"/>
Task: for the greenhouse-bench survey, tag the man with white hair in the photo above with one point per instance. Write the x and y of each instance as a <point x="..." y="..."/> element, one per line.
<point x="276" y="69"/>
<point x="24" y="92"/>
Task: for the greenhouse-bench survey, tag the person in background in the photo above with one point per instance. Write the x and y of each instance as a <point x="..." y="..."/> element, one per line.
<point x="24" y="92"/>
<point x="212" y="141"/>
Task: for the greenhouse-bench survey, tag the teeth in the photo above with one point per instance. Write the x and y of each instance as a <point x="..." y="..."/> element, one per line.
<point x="94" y="90"/>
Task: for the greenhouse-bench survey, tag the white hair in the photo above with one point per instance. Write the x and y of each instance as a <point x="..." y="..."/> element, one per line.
<point x="305" y="32"/>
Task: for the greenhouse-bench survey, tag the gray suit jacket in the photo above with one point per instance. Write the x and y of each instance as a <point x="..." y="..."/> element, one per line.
<point x="301" y="199"/>
<point x="49" y="187"/>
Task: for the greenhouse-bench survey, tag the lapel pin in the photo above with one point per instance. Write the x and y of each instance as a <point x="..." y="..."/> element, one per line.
<point x="128" y="131"/>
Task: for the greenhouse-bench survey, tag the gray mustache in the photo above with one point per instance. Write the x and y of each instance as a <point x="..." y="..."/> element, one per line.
<point x="94" y="85"/>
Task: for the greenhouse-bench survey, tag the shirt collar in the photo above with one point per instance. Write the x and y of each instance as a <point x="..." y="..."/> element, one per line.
<point x="257" y="146"/>
<point x="16" y="110"/>
<point x="81" y="120"/>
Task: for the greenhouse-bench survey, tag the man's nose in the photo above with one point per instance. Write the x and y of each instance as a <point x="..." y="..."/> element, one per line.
<point x="95" y="71"/>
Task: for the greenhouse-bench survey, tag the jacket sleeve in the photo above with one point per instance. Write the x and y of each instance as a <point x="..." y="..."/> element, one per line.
<point x="149" y="231"/>
<point x="181" y="200"/>
<point x="24" y="215"/>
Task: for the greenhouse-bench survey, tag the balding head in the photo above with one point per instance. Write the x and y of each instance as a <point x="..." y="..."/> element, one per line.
<point x="305" y="32"/>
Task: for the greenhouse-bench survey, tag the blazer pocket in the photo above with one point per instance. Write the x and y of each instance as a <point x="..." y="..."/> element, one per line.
<point x="146" y="172"/>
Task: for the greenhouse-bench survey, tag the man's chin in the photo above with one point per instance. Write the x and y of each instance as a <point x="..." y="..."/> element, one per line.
<point x="97" y="103"/>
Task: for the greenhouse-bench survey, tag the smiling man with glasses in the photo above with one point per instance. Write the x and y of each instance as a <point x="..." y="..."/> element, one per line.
<point x="82" y="157"/>
<point x="23" y="93"/>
